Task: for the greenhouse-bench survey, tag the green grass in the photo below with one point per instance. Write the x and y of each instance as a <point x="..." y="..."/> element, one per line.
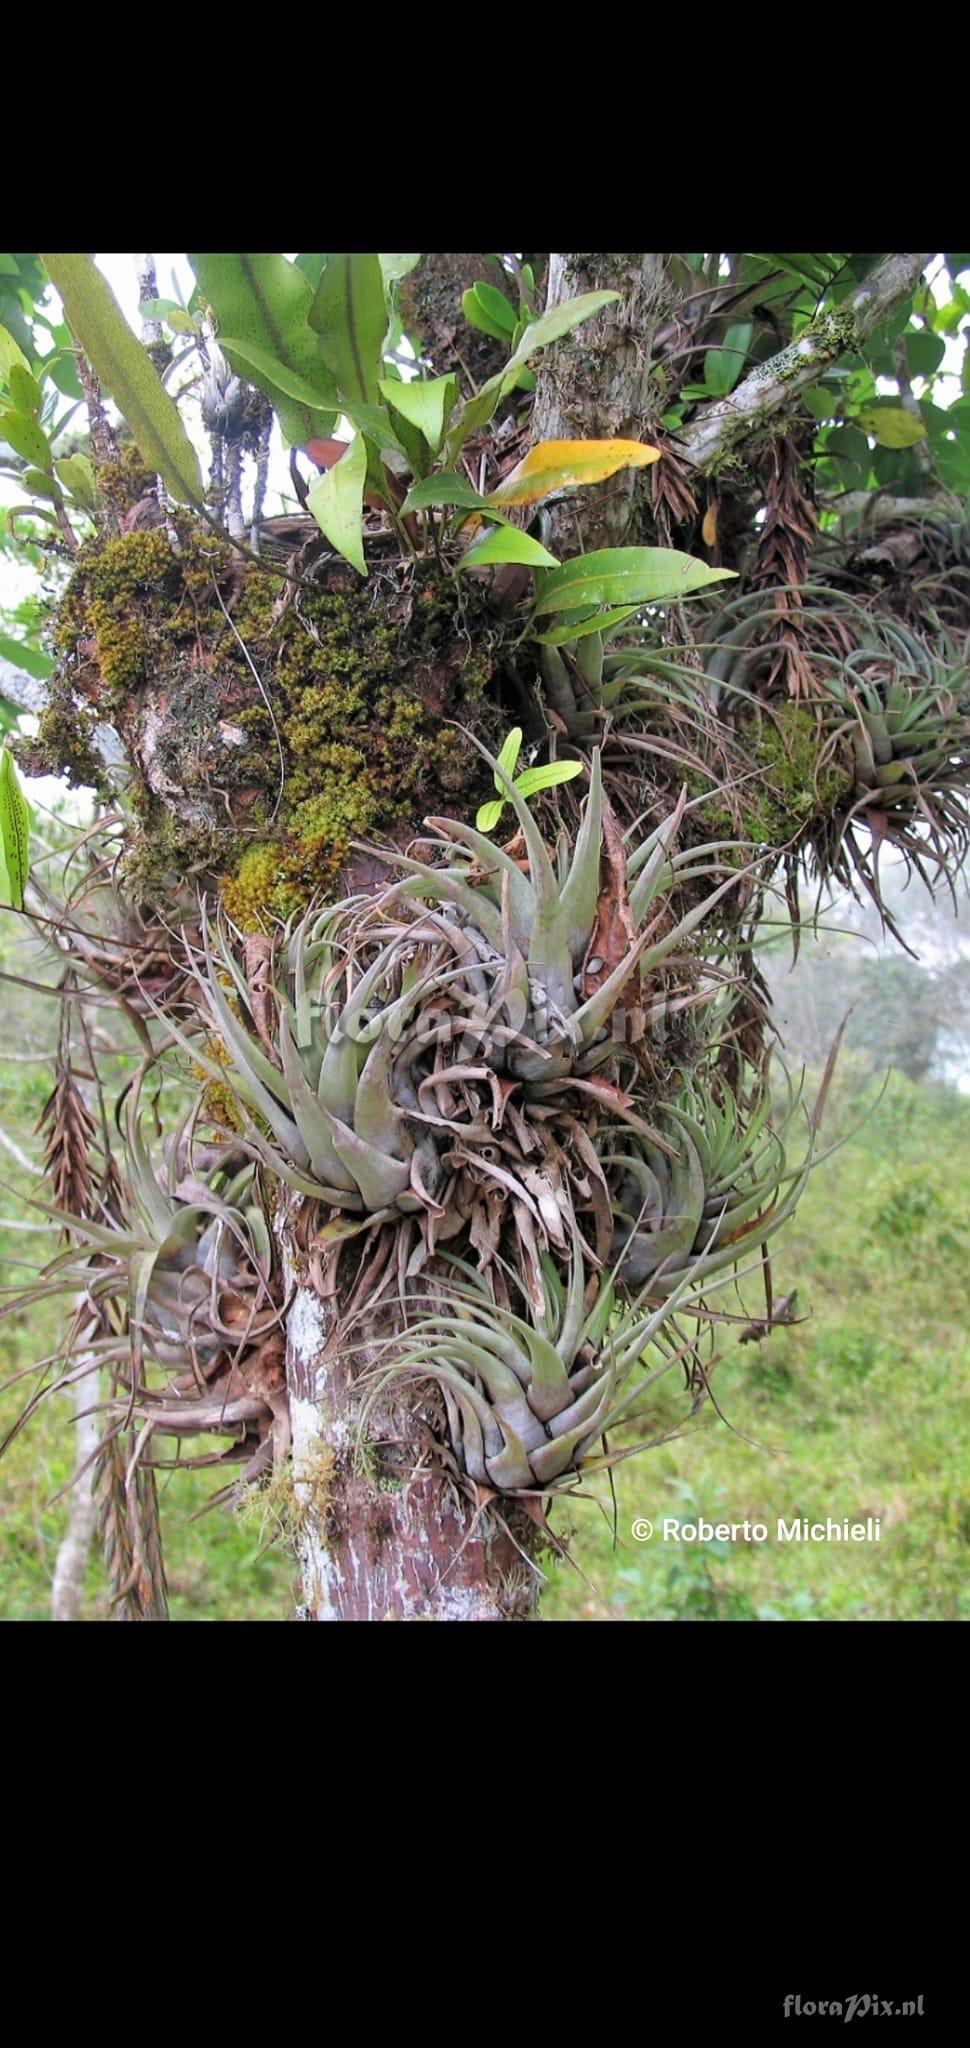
<point x="861" y="1410"/>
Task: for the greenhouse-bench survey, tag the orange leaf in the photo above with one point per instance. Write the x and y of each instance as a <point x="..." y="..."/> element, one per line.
<point x="709" y="527"/>
<point x="325" y="453"/>
<point x="564" y="465"/>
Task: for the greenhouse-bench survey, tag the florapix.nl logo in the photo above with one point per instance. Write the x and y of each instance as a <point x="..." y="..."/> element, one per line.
<point x="861" y="2005"/>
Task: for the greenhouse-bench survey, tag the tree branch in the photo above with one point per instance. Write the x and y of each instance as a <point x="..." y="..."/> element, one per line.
<point x="719" y="428"/>
<point x="21" y="689"/>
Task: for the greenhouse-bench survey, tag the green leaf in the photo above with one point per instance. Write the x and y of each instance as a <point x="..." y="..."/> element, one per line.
<point x="157" y="309"/>
<point x="616" y="576"/>
<point x="26" y="438"/>
<point x="265" y="302"/>
<point x="10" y="353"/>
<point x="31" y="659"/>
<point x="9" y="513"/>
<point x="488" y="815"/>
<point x="448" y="488"/>
<point x="546" y="776"/>
<point x="507" y="757"/>
<point x="580" y="623"/>
<point x="276" y="379"/>
<point x="337" y="504"/>
<point x="891" y="426"/>
<point x="924" y="352"/>
<point x="476" y="316"/>
<point x="426" y="406"/>
<point x="507" y="544"/>
<point x="951" y="460"/>
<point x="497" y="306"/>
<point x="374" y="421"/>
<point x="98" y="324"/>
<point x="180" y="321"/>
<point x="77" y="476"/>
<point x="539" y="334"/>
<point x="312" y="268"/>
<point x="25" y="392"/>
<point x="41" y="485"/>
<point x="14" y="834"/>
<point x="826" y="405"/>
<point x="349" y="314"/>
<point x="723" y="365"/>
<point x="485" y="307"/>
<point x="61" y="368"/>
<point x="393" y="268"/>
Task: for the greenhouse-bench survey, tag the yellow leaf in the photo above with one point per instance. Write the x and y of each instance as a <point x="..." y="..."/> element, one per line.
<point x="892" y="426"/>
<point x="709" y="527"/>
<point x="567" y="465"/>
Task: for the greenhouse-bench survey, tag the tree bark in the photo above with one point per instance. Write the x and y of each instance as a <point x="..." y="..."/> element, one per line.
<point x="67" y="1590"/>
<point x="720" y="428"/>
<point x="384" y="1533"/>
<point x="596" y="384"/>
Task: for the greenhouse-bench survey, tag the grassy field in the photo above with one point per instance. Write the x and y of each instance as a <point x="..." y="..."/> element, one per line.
<point x="860" y="1410"/>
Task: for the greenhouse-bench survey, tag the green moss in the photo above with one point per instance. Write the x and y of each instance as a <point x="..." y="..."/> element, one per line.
<point x="794" y="785"/>
<point x="165" y="852"/>
<point x="362" y="685"/>
<point x="112" y="594"/>
<point x="363" y="682"/>
<point x="123" y="482"/>
<point x="62" y="744"/>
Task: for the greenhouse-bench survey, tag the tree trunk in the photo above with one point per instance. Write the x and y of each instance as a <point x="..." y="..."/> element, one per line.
<point x="597" y="385"/>
<point x="384" y="1533"/>
<point x="67" y="1590"/>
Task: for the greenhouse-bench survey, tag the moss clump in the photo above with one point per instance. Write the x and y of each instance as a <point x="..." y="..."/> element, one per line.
<point x="122" y="482"/>
<point x="364" y="678"/>
<point x="113" y="593"/>
<point x="360" y="686"/>
<point x="63" y="743"/>
<point x="798" y="781"/>
<point x="801" y="779"/>
<point x="137" y="603"/>
<point x="165" y="851"/>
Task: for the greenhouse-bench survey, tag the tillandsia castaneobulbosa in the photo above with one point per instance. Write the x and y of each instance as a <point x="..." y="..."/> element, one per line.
<point x="431" y="1052"/>
<point x="530" y="1397"/>
<point x="184" y="1282"/>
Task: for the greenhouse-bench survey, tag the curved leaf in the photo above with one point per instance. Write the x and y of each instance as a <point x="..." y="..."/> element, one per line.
<point x="337" y="504"/>
<point x="98" y="324"/>
<point x="891" y="426"/>
<point x="448" y="488"/>
<point x="349" y="314"/>
<point x="265" y="302"/>
<point x="617" y="576"/>
<point x="507" y="544"/>
<point x="275" y="378"/>
<point x="538" y="334"/>
<point x="426" y="406"/>
<point x="14" y="834"/>
<point x="569" y="465"/>
<point x="26" y="437"/>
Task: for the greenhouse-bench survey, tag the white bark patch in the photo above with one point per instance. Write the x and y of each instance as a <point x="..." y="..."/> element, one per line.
<point x="318" y="1572"/>
<point x="306" y="1327"/>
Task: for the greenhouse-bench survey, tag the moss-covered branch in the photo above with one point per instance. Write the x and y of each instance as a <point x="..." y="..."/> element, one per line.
<point x="720" y="429"/>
